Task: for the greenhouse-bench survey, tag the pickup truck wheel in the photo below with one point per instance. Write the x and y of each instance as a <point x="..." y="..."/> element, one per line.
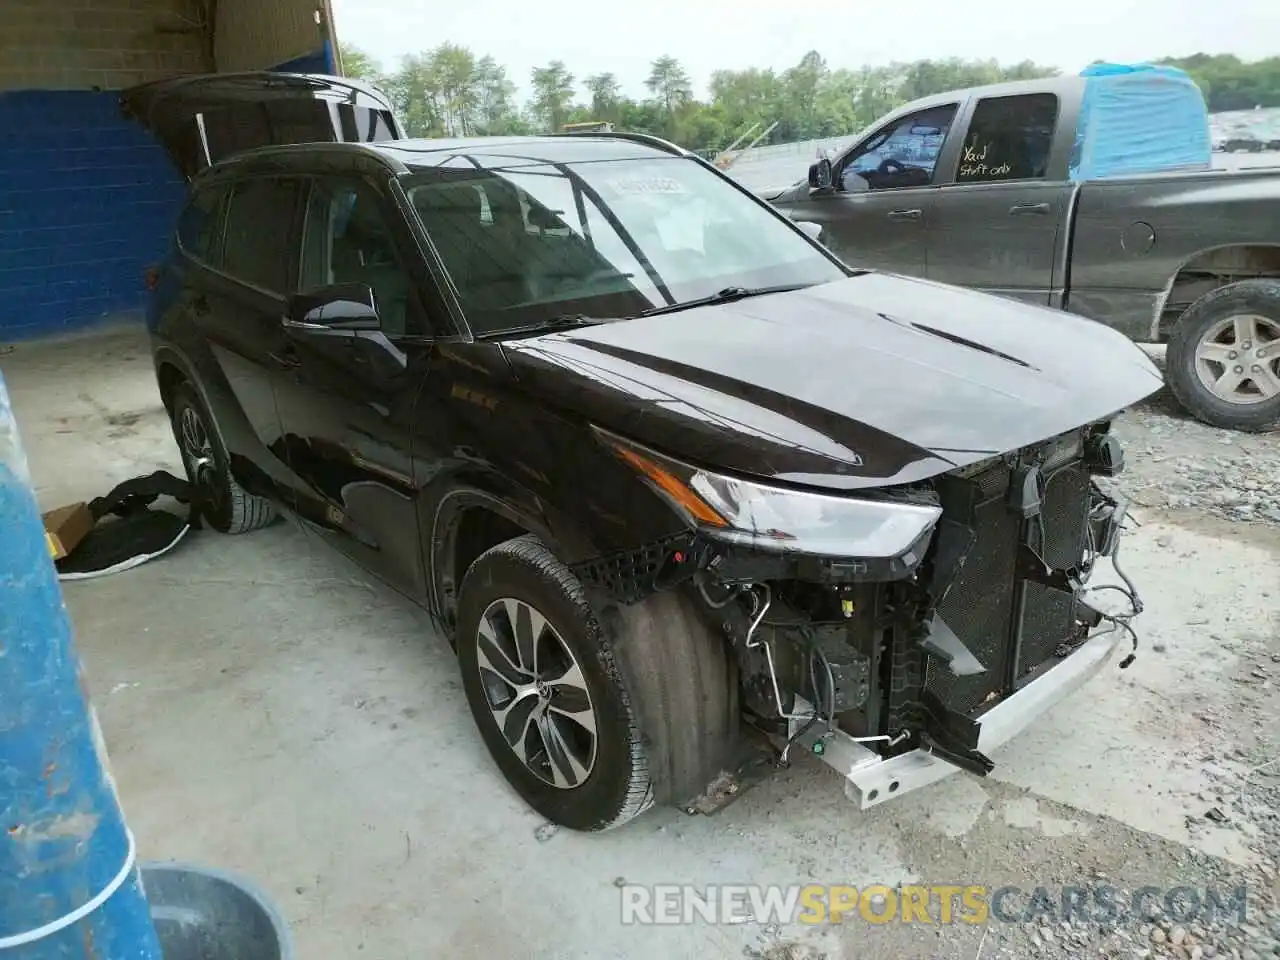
<point x="588" y="720"/>
<point x="1224" y="356"/>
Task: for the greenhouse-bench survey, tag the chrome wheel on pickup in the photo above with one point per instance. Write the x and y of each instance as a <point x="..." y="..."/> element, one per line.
<point x="1224" y="356"/>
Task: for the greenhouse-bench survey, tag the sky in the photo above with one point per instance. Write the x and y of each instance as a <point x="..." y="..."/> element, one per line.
<point x="705" y="35"/>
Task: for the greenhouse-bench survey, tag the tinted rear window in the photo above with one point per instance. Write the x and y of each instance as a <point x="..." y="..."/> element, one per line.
<point x="199" y="225"/>
<point x="1009" y="139"/>
<point x="256" y="247"/>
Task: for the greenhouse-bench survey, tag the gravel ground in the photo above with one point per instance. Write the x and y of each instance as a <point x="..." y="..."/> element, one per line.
<point x="1180" y="469"/>
<point x="1177" y="463"/>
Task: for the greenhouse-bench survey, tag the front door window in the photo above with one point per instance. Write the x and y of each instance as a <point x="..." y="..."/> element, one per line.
<point x="348" y="240"/>
<point x="902" y="154"/>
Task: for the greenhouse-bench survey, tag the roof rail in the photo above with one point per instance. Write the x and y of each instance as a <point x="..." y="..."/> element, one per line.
<point x="666" y="146"/>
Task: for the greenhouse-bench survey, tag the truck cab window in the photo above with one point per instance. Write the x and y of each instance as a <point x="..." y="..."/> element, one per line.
<point x="1009" y="138"/>
<point x="902" y="154"/>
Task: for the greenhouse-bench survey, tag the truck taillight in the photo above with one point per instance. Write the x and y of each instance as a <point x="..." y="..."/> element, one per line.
<point x="152" y="278"/>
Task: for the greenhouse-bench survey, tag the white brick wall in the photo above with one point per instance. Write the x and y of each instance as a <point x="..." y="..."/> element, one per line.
<point x="80" y="44"/>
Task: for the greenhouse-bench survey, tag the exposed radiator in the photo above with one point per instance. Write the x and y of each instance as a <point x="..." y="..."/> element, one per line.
<point x="998" y="616"/>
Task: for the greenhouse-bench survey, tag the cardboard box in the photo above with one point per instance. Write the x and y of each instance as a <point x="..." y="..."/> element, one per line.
<point x="65" y="527"/>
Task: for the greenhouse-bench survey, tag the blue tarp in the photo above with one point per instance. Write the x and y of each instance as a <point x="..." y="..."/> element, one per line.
<point x="1140" y="119"/>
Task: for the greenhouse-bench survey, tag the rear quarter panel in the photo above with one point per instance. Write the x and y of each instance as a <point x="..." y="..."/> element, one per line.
<point x="1120" y="277"/>
<point x="180" y="342"/>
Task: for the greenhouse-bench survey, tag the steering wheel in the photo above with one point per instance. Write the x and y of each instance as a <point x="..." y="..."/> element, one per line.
<point x="889" y="166"/>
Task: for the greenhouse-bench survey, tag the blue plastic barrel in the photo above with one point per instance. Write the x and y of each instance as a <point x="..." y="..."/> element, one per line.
<point x="69" y="884"/>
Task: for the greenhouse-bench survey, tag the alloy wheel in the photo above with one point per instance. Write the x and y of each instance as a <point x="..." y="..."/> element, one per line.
<point x="197" y="451"/>
<point x="536" y="692"/>
<point x="1238" y="359"/>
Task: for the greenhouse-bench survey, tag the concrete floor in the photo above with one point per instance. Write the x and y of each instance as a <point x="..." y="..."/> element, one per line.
<point x="270" y="710"/>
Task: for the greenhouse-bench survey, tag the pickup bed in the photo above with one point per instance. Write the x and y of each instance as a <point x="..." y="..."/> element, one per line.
<point x="983" y="188"/>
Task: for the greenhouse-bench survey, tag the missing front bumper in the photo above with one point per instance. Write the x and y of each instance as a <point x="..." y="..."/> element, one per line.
<point x="872" y="780"/>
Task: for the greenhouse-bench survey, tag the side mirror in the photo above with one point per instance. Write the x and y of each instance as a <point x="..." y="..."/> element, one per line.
<point x="810" y="229"/>
<point x="340" y="307"/>
<point x="820" y="175"/>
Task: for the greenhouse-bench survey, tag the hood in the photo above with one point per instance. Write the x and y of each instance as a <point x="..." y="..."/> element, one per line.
<point x="869" y="381"/>
<point x="203" y="118"/>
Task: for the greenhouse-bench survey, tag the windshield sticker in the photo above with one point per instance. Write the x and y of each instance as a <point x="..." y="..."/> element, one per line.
<point x="644" y="186"/>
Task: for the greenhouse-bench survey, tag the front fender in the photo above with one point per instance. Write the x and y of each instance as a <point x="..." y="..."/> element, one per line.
<point x="567" y="537"/>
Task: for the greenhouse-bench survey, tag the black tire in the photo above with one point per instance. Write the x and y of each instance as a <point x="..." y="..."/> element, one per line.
<point x="1255" y="297"/>
<point x="653" y="704"/>
<point x="226" y="506"/>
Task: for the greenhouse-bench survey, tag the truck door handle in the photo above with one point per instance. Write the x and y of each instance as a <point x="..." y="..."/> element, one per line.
<point x="200" y="305"/>
<point x="900" y="215"/>
<point x="1038" y="209"/>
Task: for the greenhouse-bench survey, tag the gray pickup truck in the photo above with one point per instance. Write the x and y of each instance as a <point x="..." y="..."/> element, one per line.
<point x="986" y="188"/>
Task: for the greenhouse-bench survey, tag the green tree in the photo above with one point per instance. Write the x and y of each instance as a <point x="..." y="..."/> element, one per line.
<point x="496" y="108"/>
<point x="747" y="97"/>
<point x="552" y="95"/>
<point x="413" y="92"/>
<point x="804" y="84"/>
<point x="358" y="64"/>
<point x="669" y="83"/>
<point x="451" y="91"/>
<point x="452" y="74"/>
<point x="1229" y="83"/>
<point x="605" y="94"/>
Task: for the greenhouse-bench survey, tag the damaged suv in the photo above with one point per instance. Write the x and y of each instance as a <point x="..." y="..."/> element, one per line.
<point x="681" y="488"/>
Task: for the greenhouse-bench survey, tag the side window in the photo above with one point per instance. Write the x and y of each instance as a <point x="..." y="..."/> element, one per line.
<point x="365" y="124"/>
<point x="200" y="225"/>
<point x="348" y="240"/>
<point x="903" y="154"/>
<point x="256" y="246"/>
<point x="1009" y="139"/>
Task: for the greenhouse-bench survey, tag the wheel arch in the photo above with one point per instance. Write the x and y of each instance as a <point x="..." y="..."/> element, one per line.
<point x="246" y="454"/>
<point x="470" y="519"/>
<point x="1210" y="269"/>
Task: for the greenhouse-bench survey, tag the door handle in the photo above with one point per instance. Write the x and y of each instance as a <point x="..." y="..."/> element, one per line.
<point x="200" y="305"/>
<point x="286" y="359"/>
<point x="303" y="325"/>
<point x="899" y="215"/>
<point x="1037" y="209"/>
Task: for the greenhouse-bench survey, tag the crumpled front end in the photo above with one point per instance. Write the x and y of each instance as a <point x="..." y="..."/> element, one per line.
<point x="1008" y="619"/>
<point x="970" y="610"/>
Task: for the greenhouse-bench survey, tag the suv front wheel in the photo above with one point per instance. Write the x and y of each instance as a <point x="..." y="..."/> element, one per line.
<point x="590" y="718"/>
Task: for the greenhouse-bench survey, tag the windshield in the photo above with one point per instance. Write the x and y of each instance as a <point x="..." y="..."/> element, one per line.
<point x="529" y="243"/>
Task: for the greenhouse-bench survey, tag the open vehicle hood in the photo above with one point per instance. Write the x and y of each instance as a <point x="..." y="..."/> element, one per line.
<point x="202" y="118"/>
<point x="869" y="381"/>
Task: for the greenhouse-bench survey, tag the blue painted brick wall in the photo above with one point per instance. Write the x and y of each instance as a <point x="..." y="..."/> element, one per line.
<point x="87" y="203"/>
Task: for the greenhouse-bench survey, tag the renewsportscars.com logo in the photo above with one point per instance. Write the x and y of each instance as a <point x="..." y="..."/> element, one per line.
<point x="926" y="904"/>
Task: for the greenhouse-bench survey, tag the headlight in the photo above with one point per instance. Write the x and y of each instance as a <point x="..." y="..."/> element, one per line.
<point x="779" y="519"/>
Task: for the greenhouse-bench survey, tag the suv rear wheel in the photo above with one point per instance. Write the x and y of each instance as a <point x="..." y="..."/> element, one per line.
<point x="1224" y="356"/>
<point x="226" y="506"/>
<point x="588" y="718"/>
